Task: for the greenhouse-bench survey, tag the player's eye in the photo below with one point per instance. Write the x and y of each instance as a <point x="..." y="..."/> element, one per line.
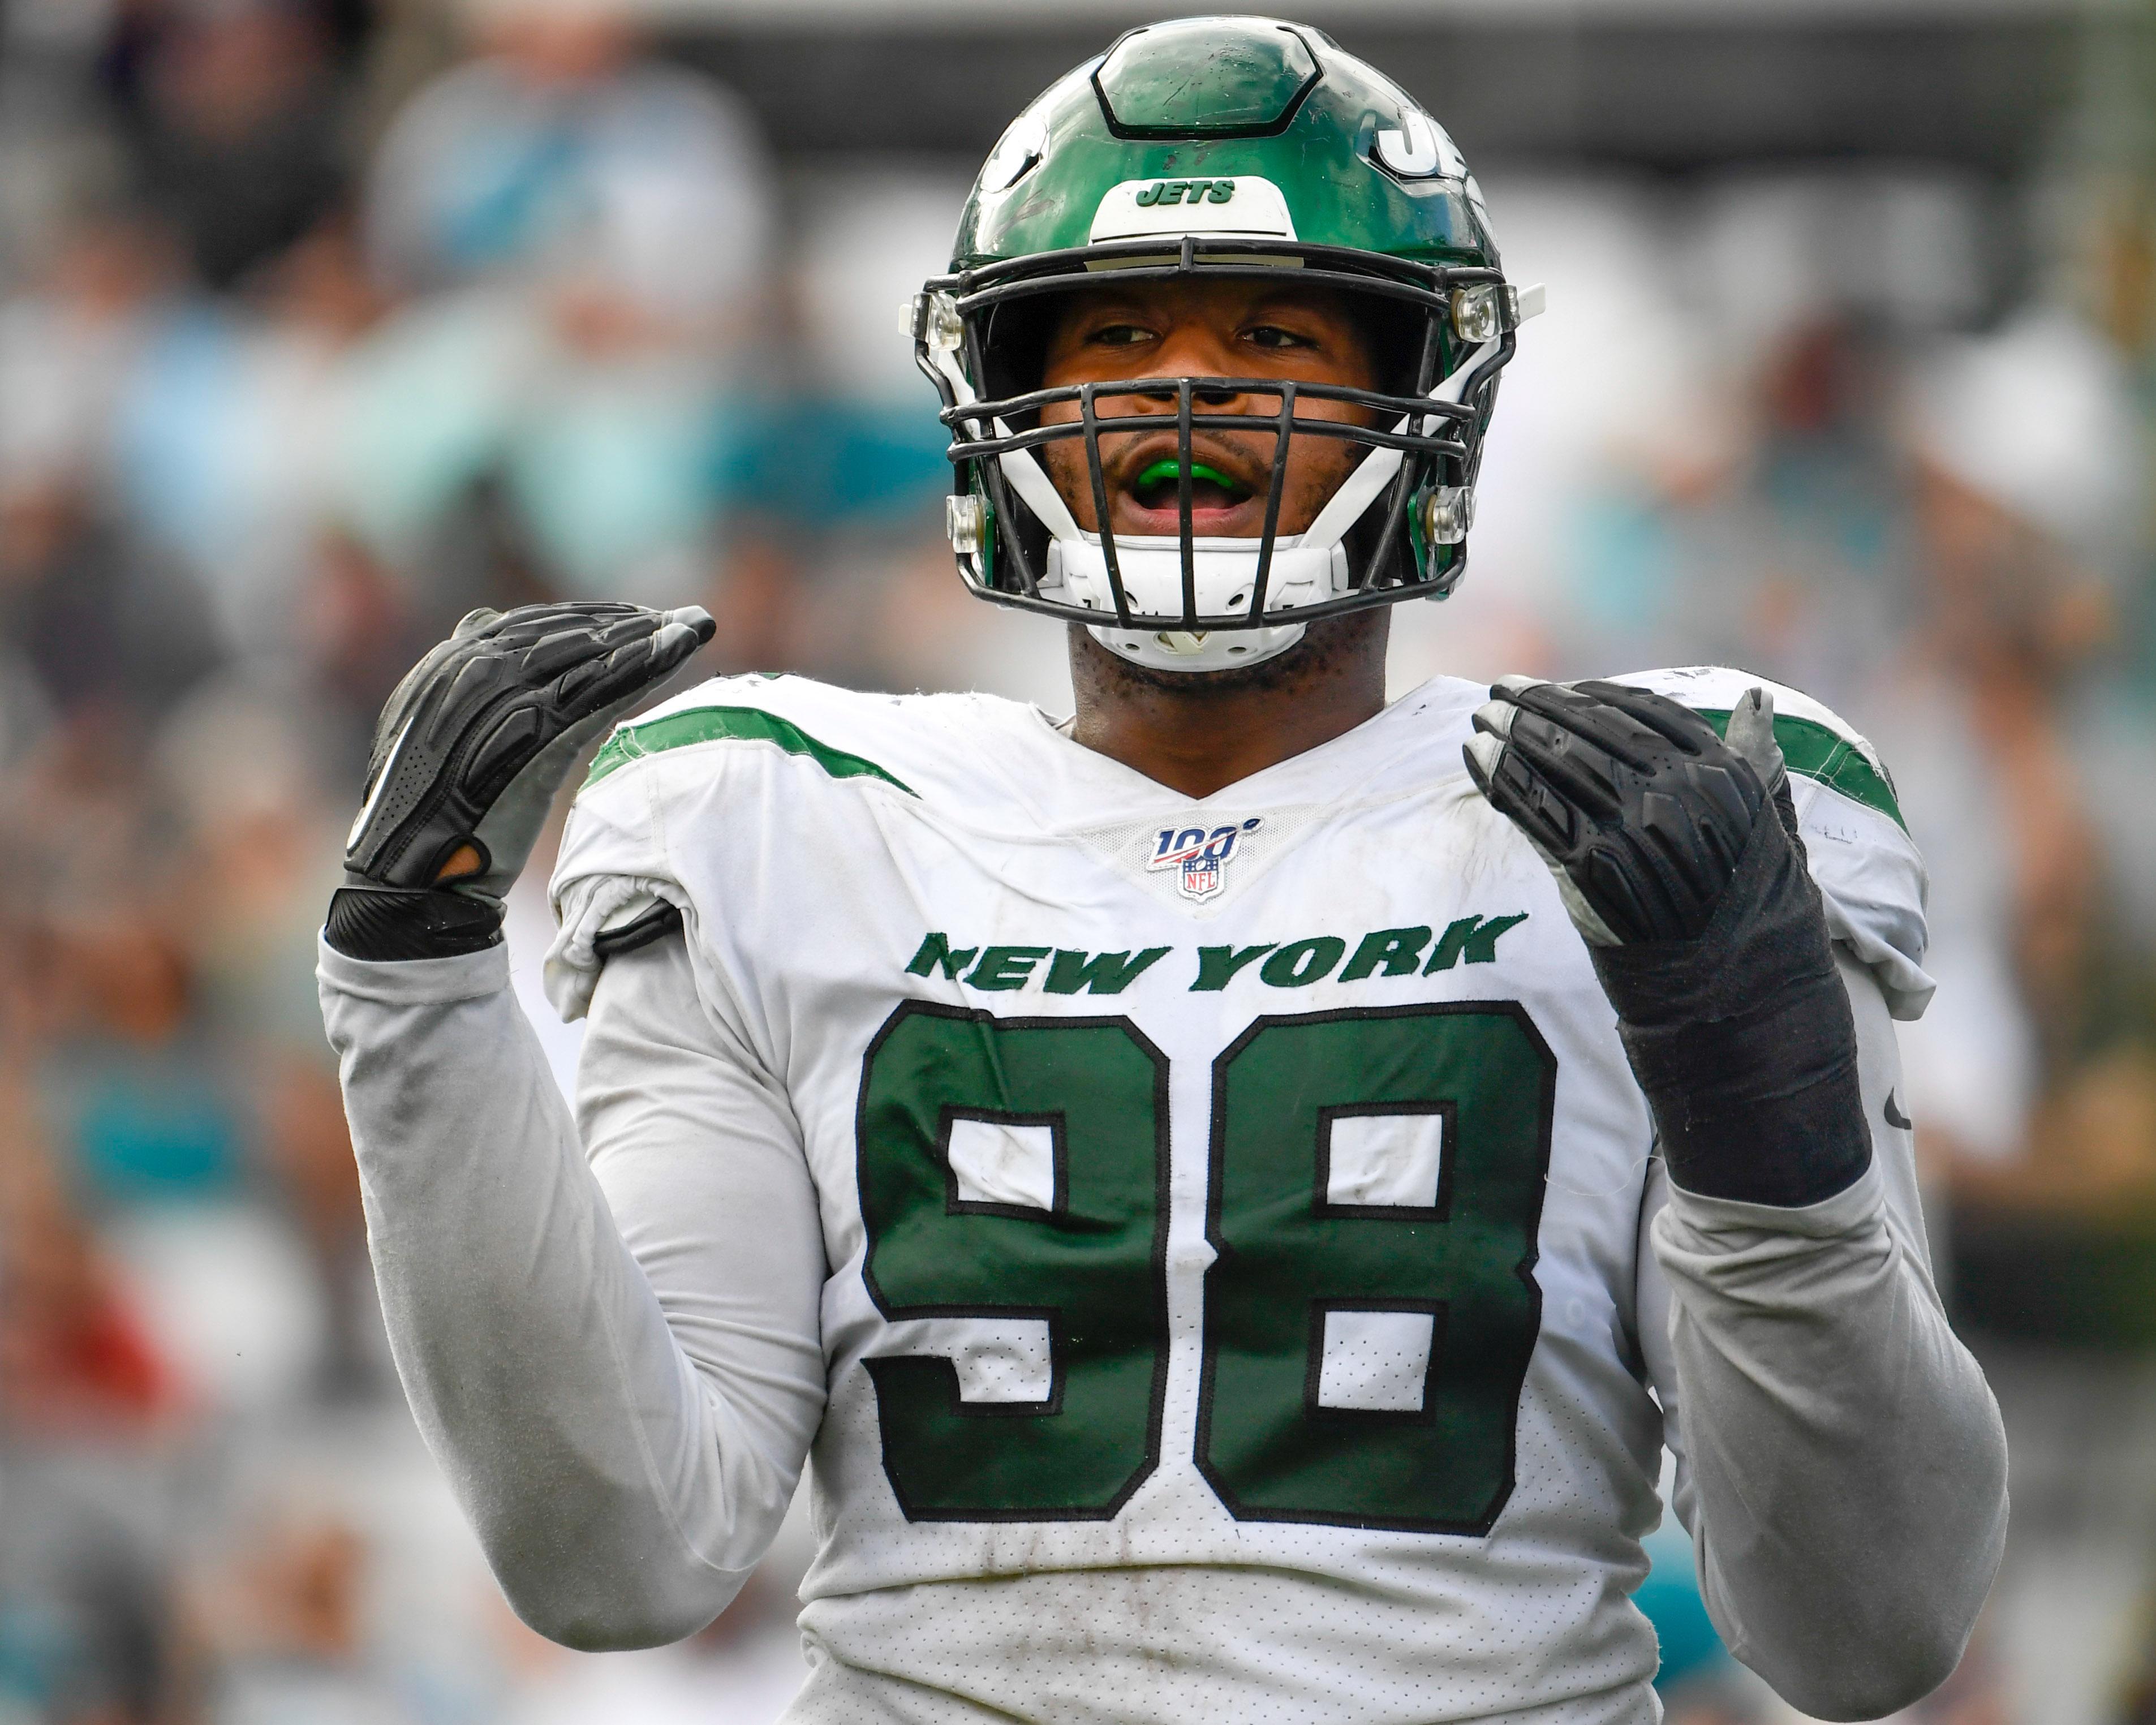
<point x="1120" y="334"/>
<point x="1271" y="335"/>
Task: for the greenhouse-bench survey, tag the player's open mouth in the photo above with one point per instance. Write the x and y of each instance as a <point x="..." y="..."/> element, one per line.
<point x="1218" y="501"/>
<point x="1210" y="489"/>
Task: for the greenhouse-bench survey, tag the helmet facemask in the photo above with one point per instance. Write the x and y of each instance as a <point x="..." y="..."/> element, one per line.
<point x="1393" y="529"/>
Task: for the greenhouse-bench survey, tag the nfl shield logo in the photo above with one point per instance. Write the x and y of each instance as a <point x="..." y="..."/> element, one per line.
<point x="1199" y="854"/>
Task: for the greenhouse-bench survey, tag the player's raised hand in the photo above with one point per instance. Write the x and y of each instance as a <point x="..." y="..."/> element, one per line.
<point x="1676" y="853"/>
<point x="1639" y="809"/>
<point x="469" y="752"/>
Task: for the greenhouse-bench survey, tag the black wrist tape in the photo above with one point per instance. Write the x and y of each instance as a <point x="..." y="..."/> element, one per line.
<point x="386" y="923"/>
<point x="1743" y="1039"/>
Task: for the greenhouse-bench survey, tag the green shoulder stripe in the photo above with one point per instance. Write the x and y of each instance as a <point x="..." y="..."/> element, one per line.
<point x="1819" y="751"/>
<point x="746" y="724"/>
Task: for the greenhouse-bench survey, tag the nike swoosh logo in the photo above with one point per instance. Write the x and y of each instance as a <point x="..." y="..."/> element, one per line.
<point x="381" y="784"/>
<point x="1895" y="1117"/>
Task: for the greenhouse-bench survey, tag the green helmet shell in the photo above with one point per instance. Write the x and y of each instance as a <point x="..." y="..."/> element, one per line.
<point x="1233" y="148"/>
<point x="1361" y="163"/>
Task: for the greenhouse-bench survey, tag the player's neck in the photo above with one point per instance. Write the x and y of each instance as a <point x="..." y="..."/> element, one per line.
<point x="1199" y="734"/>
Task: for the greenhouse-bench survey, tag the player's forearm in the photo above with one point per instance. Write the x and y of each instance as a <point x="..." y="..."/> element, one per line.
<point x="614" y="1494"/>
<point x="1847" y="1466"/>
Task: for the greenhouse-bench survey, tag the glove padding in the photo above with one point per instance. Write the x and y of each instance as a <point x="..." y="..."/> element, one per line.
<point x="1678" y="858"/>
<point x="470" y="750"/>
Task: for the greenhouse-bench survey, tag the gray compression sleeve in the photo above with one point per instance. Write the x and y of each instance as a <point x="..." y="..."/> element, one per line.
<point x="1841" y="1465"/>
<point x="616" y="1362"/>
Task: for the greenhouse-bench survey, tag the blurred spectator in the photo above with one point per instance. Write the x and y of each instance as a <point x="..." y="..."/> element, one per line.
<point x="71" y="336"/>
<point x="85" y="1396"/>
<point x="112" y="632"/>
<point x="287" y="1626"/>
<point x="229" y="434"/>
<point x="559" y="154"/>
<point x="75" y="1355"/>
<point x="594" y="230"/>
<point x="237" y="127"/>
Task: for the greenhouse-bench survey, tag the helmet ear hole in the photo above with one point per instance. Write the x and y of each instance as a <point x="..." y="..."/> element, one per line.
<point x="1014" y="340"/>
<point x="1396" y="332"/>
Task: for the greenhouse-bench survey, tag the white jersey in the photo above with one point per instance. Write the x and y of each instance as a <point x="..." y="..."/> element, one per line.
<point x="1232" y="1209"/>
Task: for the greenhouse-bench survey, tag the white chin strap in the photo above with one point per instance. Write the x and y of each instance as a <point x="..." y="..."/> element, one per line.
<point x="1307" y="567"/>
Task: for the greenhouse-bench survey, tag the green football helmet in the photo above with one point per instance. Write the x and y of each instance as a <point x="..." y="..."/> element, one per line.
<point x="1221" y="148"/>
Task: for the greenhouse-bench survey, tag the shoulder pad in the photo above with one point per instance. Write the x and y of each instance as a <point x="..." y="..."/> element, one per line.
<point x="749" y="710"/>
<point x="1868" y="868"/>
<point x="1817" y="743"/>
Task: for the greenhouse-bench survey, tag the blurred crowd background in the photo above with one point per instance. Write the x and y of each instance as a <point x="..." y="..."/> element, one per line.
<point x="322" y="321"/>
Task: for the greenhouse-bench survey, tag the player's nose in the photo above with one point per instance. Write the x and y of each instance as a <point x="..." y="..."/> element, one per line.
<point x="1198" y="355"/>
<point x="1160" y="396"/>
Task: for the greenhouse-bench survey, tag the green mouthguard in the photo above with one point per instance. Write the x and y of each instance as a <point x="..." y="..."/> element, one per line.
<point x="1166" y="471"/>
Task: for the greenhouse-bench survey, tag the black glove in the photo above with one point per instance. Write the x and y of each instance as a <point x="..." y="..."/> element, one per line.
<point x="469" y="752"/>
<point x="1677" y="856"/>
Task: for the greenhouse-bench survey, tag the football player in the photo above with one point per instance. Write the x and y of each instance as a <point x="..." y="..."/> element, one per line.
<point x="1234" y="1189"/>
